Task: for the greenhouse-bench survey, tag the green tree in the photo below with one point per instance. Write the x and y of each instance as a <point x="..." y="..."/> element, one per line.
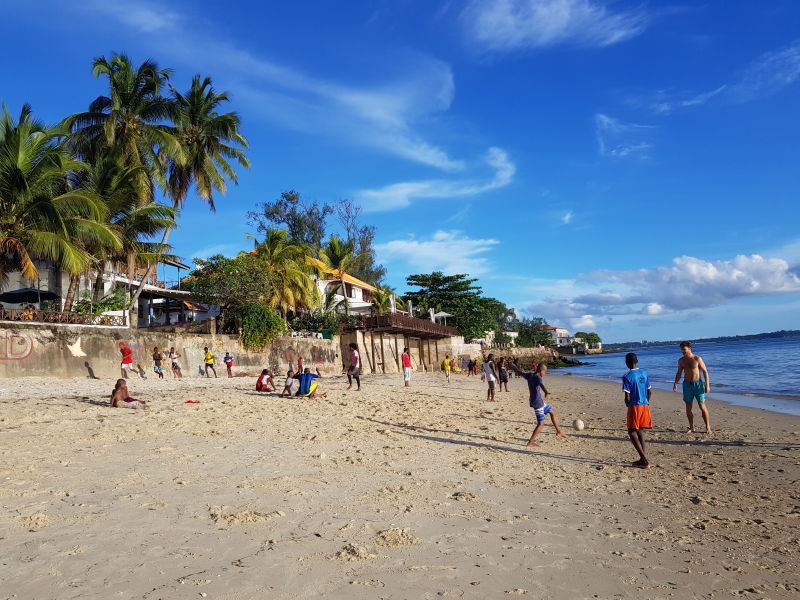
<point x="283" y="266"/>
<point x="304" y="222"/>
<point x="228" y="282"/>
<point x="473" y="314"/>
<point x="532" y="333"/>
<point x="132" y="122"/>
<point x="589" y="338"/>
<point x="338" y="255"/>
<point x="208" y="140"/>
<point x="135" y="224"/>
<point x="41" y="217"/>
<point x="364" y="264"/>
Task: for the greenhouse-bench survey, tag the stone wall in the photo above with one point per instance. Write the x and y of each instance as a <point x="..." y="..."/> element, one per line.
<point x="86" y="351"/>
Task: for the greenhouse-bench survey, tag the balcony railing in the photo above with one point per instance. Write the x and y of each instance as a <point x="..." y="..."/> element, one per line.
<point x="32" y="315"/>
<point x="399" y="323"/>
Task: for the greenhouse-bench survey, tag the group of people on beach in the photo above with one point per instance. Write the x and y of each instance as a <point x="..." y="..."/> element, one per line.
<point x="636" y="389"/>
<point x="209" y="361"/>
<point x="636" y="386"/>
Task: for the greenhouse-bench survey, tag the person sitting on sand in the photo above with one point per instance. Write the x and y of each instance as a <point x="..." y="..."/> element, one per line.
<point x="636" y="385"/>
<point x="121" y="399"/>
<point x="308" y="387"/>
<point x="265" y="383"/>
<point x="537" y="403"/>
<point x="694" y="386"/>
<point x="288" y="385"/>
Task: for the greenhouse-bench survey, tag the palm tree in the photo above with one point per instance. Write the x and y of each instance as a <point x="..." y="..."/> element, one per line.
<point x="115" y="184"/>
<point x="132" y="122"/>
<point x="382" y="300"/>
<point x="337" y="255"/>
<point x="40" y="215"/>
<point x="283" y="264"/>
<point x="208" y="140"/>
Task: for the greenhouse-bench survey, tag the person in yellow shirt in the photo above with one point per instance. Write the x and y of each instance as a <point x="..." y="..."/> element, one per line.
<point x="208" y="359"/>
<point x="447" y="365"/>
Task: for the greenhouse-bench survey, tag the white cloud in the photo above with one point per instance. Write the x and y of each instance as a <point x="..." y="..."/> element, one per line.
<point x="387" y="115"/>
<point x="141" y="17"/>
<point x="448" y="251"/>
<point x="509" y="25"/>
<point x="617" y="139"/>
<point x="766" y="75"/>
<point x="566" y="218"/>
<point x="400" y="195"/>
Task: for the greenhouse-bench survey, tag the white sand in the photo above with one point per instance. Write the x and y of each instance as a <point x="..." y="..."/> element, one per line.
<point x="388" y="493"/>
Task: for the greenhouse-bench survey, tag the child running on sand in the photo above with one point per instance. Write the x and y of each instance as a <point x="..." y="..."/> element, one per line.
<point x="537" y="403"/>
<point x="228" y="360"/>
<point x="121" y="399"/>
<point x="174" y="355"/>
<point x="127" y="359"/>
<point x="264" y="382"/>
<point x="636" y="385"/>
<point x="208" y="362"/>
<point x="158" y="362"/>
<point x="695" y="386"/>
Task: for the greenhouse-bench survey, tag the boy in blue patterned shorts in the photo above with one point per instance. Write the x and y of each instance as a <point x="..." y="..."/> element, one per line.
<point x="695" y="386"/>
<point x="537" y="403"/>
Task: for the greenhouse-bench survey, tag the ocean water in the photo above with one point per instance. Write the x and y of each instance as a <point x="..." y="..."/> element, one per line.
<point x="759" y="373"/>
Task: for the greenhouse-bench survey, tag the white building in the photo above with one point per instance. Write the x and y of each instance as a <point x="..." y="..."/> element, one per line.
<point x="358" y="294"/>
<point x="158" y="304"/>
<point x="559" y="335"/>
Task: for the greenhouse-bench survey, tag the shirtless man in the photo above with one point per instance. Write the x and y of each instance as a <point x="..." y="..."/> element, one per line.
<point x="694" y="386"/>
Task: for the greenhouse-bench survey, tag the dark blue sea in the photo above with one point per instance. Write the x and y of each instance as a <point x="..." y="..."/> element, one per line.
<point x="759" y="373"/>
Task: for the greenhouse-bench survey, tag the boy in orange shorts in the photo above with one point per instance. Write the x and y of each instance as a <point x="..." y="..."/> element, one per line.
<point x="636" y="385"/>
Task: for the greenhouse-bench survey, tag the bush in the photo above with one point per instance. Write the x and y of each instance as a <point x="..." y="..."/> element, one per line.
<point x="260" y="325"/>
<point x="317" y="321"/>
<point x="117" y="300"/>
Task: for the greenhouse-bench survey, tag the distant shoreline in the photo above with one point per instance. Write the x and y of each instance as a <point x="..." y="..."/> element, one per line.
<point x="623" y="346"/>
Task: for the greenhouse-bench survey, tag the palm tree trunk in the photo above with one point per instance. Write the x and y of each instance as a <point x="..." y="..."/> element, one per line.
<point x="71" y="291"/>
<point x="98" y="286"/>
<point x="134" y="305"/>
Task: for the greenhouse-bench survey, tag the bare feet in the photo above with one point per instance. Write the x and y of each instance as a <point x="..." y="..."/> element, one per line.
<point x="641" y="464"/>
<point x="689" y="430"/>
<point x="561" y="434"/>
<point x="533" y="445"/>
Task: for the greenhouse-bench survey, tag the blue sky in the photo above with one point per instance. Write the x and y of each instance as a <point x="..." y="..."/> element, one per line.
<point x="626" y="167"/>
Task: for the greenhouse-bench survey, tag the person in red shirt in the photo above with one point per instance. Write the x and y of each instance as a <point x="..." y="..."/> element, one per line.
<point x="406" y="367"/>
<point x="127" y="359"/>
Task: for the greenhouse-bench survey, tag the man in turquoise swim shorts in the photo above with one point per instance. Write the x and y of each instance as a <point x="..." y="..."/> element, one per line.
<point x="695" y="386"/>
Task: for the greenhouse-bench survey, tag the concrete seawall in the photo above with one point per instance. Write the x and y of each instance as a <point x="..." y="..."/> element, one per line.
<point x="85" y="351"/>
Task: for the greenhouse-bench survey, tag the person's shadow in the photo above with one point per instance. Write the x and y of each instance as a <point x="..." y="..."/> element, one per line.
<point x="90" y="371"/>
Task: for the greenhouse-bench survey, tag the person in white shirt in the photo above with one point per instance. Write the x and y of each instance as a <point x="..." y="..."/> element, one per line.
<point x="490" y="374"/>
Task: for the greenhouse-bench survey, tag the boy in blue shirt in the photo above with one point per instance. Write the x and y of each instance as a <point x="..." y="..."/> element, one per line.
<point x="636" y="385"/>
<point x="537" y="403"/>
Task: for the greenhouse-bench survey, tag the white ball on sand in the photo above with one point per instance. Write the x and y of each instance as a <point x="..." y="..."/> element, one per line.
<point x="578" y="425"/>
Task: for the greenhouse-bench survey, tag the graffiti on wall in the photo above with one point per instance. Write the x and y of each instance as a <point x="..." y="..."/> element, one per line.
<point x="15" y="346"/>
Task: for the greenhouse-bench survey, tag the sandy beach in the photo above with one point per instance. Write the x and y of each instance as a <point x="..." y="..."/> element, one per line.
<point x="426" y="492"/>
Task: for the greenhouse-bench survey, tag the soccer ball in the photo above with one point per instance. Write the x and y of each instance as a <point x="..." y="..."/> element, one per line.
<point x="578" y="425"/>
